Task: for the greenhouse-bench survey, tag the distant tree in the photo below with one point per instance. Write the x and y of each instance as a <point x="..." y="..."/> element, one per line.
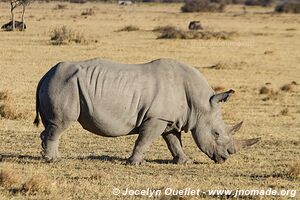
<point x="24" y="3"/>
<point x="13" y="5"/>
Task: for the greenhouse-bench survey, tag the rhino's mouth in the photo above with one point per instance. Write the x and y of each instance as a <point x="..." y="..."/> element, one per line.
<point x="219" y="159"/>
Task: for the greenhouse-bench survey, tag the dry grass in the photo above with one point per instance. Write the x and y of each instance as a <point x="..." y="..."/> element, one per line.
<point x="295" y="170"/>
<point x="64" y="35"/>
<point x="218" y="88"/>
<point x="91" y="165"/>
<point x="36" y="184"/>
<point x="15" y="183"/>
<point x="8" y="178"/>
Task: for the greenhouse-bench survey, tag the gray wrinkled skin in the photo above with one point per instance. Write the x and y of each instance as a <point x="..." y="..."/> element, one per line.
<point x="159" y="98"/>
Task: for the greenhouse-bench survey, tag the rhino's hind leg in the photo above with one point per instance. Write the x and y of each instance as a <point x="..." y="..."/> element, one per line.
<point x="50" y="142"/>
<point x="149" y="131"/>
<point x="173" y="141"/>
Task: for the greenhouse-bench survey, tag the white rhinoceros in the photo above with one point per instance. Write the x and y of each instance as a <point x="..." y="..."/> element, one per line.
<point x="159" y="98"/>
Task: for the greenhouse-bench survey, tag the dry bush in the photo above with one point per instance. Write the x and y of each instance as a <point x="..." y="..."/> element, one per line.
<point x="295" y="170"/>
<point x="129" y="28"/>
<point x="284" y="112"/>
<point x="78" y="1"/>
<point x="291" y="29"/>
<point x="217" y="66"/>
<point x="36" y="184"/>
<point x="264" y="90"/>
<point x="268" y="88"/>
<point x="202" y="6"/>
<point x="289" y="87"/>
<point x="238" y="1"/>
<point x="8" y="178"/>
<point x="269" y="91"/>
<point x="222" y="1"/>
<point x="171" y="32"/>
<point x="13" y="182"/>
<point x="258" y="2"/>
<point x="88" y="11"/>
<point x="161" y="29"/>
<point x="60" y="6"/>
<point x="64" y="35"/>
<point x="8" y="109"/>
<point x="252" y="2"/>
<point x="267" y="52"/>
<point x="286" y="88"/>
<point x="5" y="95"/>
<point x="291" y="6"/>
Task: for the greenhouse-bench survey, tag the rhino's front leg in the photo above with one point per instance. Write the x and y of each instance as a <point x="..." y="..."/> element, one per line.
<point x="149" y="131"/>
<point x="173" y="141"/>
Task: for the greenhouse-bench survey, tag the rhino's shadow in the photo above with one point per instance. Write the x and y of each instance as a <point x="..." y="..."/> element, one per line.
<point x="262" y="177"/>
<point x="19" y="158"/>
<point x="106" y="158"/>
<point x="113" y="159"/>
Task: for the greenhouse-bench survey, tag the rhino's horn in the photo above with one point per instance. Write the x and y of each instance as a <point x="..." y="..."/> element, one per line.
<point x="240" y="144"/>
<point x="235" y="128"/>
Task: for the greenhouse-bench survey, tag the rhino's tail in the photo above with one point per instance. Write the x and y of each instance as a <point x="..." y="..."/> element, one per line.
<point x="37" y="103"/>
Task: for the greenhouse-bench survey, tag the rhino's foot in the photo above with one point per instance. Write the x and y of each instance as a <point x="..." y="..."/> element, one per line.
<point x="50" y="151"/>
<point x="182" y="160"/>
<point x="135" y="161"/>
<point x="50" y="157"/>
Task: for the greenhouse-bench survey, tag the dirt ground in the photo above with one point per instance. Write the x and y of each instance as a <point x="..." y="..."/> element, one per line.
<point x="265" y="49"/>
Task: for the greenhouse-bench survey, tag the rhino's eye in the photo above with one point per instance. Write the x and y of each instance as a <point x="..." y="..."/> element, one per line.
<point x="216" y="134"/>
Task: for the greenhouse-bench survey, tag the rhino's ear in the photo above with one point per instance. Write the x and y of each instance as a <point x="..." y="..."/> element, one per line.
<point x="220" y="97"/>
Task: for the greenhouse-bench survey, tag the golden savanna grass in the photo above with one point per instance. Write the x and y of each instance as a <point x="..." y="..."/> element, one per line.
<point x="8" y="108"/>
<point x="264" y="50"/>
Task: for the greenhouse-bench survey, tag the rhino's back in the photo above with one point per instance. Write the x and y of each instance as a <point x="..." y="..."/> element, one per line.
<point x="116" y="98"/>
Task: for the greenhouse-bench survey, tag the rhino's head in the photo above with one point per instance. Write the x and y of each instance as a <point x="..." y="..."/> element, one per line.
<point x="213" y="137"/>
